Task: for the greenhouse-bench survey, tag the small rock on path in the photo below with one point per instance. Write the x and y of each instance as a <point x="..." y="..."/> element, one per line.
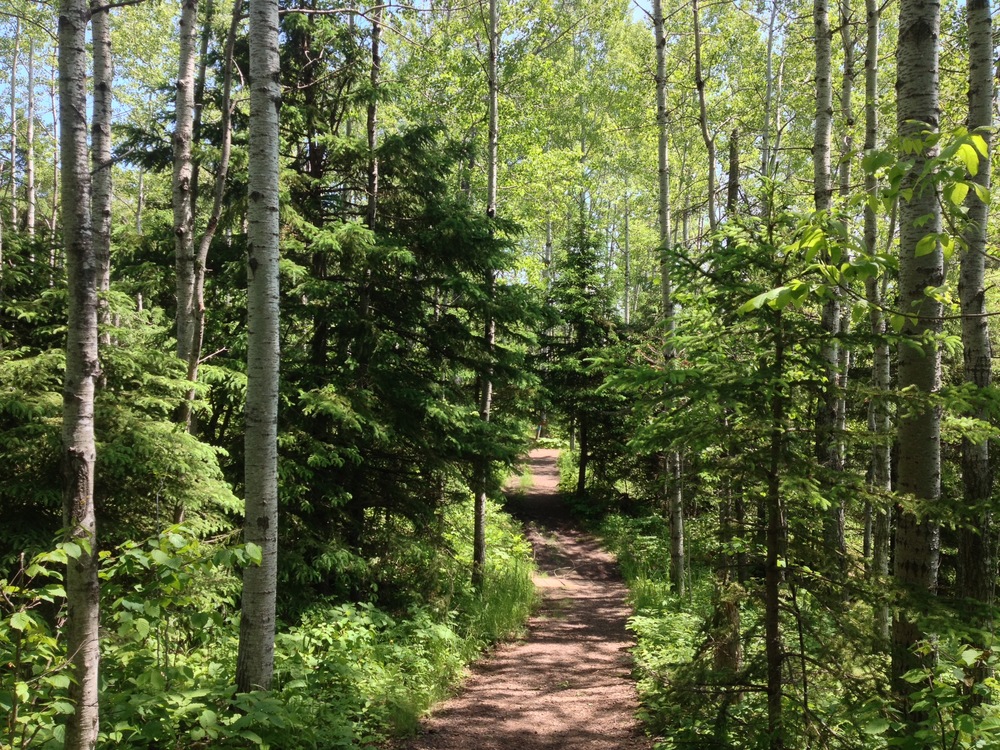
<point x="568" y="685"/>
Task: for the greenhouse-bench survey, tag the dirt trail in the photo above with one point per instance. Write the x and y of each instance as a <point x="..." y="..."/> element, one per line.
<point x="568" y="684"/>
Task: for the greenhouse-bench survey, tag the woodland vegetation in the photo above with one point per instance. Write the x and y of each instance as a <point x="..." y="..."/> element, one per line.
<point x="286" y="289"/>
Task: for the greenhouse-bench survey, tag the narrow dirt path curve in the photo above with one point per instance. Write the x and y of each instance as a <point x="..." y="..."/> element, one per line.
<point x="568" y="684"/>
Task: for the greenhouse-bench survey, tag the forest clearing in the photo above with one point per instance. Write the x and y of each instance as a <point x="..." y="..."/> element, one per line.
<point x="289" y="288"/>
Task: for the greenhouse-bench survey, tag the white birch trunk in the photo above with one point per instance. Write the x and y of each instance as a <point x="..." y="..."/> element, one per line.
<point x="100" y="128"/>
<point x="183" y="176"/>
<point x="766" y="159"/>
<point x="699" y="81"/>
<point x="255" y="659"/>
<point x="489" y="336"/>
<point x="917" y="540"/>
<point x="672" y="461"/>
<point x="218" y="196"/>
<point x="879" y="416"/>
<point x="82" y="370"/>
<point x="975" y="580"/>
<point x="29" y="164"/>
<point x="15" y="53"/>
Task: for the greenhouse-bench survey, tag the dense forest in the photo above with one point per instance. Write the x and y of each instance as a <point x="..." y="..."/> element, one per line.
<point x="286" y="288"/>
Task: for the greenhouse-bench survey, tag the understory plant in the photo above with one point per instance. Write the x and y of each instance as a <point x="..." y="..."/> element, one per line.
<point x="347" y="674"/>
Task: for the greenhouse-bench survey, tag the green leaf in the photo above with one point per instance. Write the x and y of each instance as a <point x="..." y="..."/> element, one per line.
<point x="63" y="707"/>
<point x="875" y="160"/>
<point x="876" y="726"/>
<point x="927" y="245"/>
<point x="947" y="247"/>
<point x="983" y="193"/>
<point x="956" y="192"/>
<point x="21" y="621"/>
<point x="254" y="552"/>
<point x="969" y="156"/>
<point x="72" y="550"/>
<point x="897" y="321"/>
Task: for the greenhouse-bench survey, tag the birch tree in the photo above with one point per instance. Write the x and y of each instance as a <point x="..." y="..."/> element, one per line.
<point x="183" y="178"/>
<point x="489" y="334"/>
<point x="975" y="546"/>
<point x="917" y="547"/>
<point x="82" y="370"/>
<point x="101" y="149"/>
<point x="879" y="418"/>
<point x="255" y="658"/>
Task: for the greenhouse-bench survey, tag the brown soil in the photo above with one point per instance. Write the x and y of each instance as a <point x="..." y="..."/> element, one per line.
<point x="568" y="684"/>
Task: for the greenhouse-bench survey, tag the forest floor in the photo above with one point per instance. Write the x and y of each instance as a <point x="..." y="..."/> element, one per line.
<point x="568" y="683"/>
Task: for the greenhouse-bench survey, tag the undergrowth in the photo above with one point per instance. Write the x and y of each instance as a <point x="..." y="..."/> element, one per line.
<point x="347" y="674"/>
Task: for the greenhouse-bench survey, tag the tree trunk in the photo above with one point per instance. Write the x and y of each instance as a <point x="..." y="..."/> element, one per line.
<point x="766" y="158"/>
<point x="218" y="196"/>
<point x="183" y="176"/>
<point x="15" y="53"/>
<point x="975" y="540"/>
<point x="879" y="417"/>
<point x="101" y="157"/>
<point x="917" y="536"/>
<point x="255" y="659"/>
<point x="489" y="335"/>
<point x="30" y="219"/>
<point x="82" y="370"/>
<point x="827" y="443"/>
<point x="372" y="122"/>
<point x="672" y="461"/>
<point x="773" y="647"/>
<point x="699" y="81"/>
<point x="627" y="252"/>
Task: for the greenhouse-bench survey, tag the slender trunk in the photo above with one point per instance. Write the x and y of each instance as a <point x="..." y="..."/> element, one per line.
<point x="699" y="81"/>
<point x="56" y="202"/>
<point x="183" y="177"/>
<point x="372" y="123"/>
<point x="29" y="137"/>
<point x="218" y="196"/>
<point x="773" y="648"/>
<point x="672" y="462"/>
<point x="827" y="443"/>
<point x="766" y="159"/>
<point x="975" y="542"/>
<point x="581" y="472"/>
<point x="917" y="548"/>
<point x="82" y="370"/>
<point x="140" y="201"/>
<point x="15" y="53"/>
<point x="198" y="102"/>
<point x="627" y="252"/>
<point x="255" y="658"/>
<point x="489" y="336"/>
<point x="101" y="157"/>
<point x="879" y="417"/>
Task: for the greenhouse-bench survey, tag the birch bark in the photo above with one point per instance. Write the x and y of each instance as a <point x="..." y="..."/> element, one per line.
<point x="255" y="658"/>
<point x="879" y="418"/>
<point x="30" y="219"/>
<point x="489" y="334"/>
<point x="917" y="537"/>
<point x="183" y="176"/>
<point x="672" y="460"/>
<point x="101" y="153"/>
<point x="82" y="370"/>
<point x="975" y="548"/>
